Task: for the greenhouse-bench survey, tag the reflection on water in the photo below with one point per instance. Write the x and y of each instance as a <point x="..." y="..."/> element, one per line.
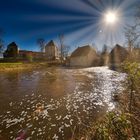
<point x="54" y="102"/>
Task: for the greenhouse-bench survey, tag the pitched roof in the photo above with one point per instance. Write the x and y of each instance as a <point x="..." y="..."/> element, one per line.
<point x="118" y="48"/>
<point x="51" y="43"/>
<point x="82" y="51"/>
<point x="12" y="44"/>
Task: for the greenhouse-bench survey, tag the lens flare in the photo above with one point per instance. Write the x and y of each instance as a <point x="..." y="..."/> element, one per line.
<point x="111" y="17"/>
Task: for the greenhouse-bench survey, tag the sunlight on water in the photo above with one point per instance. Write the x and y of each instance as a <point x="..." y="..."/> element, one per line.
<point x="37" y="114"/>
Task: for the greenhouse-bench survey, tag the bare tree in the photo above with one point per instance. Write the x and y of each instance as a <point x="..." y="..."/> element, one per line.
<point x="1" y="41"/>
<point x="105" y="49"/>
<point x="132" y="33"/>
<point x="41" y="43"/>
<point x="64" y="49"/>
<point x="1" y="45"/>
<point x="61" y="39"/>
<point x="104" y="56"/>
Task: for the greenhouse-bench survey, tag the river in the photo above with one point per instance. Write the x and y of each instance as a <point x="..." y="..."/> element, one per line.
<point x="56" y="102"/>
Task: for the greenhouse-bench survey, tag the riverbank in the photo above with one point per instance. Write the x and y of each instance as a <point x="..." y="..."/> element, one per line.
<point x="123" y="121"/>
<point x="4" y="67"/>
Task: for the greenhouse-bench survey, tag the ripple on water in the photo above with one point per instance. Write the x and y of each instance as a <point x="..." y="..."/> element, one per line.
<point x="55" y="118"/>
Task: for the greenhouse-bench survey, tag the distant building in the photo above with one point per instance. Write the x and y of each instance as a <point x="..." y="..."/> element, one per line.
<point x="26" y="54"/>
<point x="84" y="57"/>
<point x="12" y="51"/>
<point x="51" y="51"/>
<point x="117" y="55"/>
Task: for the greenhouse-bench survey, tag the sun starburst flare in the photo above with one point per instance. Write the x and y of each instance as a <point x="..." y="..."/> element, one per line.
<point x="111" y="17"/>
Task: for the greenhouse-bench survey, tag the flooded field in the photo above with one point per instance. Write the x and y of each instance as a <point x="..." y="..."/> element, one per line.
<point x="54" y="103"/>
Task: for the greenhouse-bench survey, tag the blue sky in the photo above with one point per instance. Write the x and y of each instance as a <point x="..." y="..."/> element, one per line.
<point x="24" y="21"/>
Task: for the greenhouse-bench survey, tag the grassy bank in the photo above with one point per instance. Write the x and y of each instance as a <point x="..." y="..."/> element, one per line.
<point x="21" y="66"/>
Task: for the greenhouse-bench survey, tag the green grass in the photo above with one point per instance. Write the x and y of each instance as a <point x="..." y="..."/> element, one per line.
<point x="20" y="66"/>
<point x="15" y="63"/>
<point x="10" y="64"/>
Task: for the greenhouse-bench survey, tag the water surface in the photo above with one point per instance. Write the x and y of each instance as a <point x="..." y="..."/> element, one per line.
<point x="54" y="103"/>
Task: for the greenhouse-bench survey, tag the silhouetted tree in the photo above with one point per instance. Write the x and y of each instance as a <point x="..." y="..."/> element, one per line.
<point x="132" y="34"/>
<point x="41" y="43"/>
<point x="104" y="56"/>
<point x="1" y="41"/>
<point x="105" y="49"/>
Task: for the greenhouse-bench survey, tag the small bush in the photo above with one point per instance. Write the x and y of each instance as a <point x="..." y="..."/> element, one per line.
<point x="114" y="126"/>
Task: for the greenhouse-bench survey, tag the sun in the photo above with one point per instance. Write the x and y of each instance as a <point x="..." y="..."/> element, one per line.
<point x="111" y="17"/>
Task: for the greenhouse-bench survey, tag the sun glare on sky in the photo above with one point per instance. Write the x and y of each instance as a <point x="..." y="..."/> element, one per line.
<point x="92" y="21"/>
<point x="111" y="17"/>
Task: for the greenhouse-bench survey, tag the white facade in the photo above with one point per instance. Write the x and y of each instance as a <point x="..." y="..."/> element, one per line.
<point x="51" y="51"/>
